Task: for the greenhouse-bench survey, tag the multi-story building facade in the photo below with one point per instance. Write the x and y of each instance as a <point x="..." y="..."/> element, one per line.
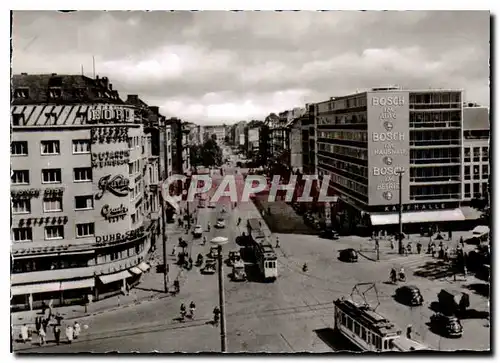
<point x="180" y="145"/>
<point x="364" y="140"/>
<point x="308" y="137"/>
<point x="253" y="141"/>
<point x="476" y="154"/>
<point x="218" y="130"/>
<point x="295" y="143"/>
<point x="81" y="225"/>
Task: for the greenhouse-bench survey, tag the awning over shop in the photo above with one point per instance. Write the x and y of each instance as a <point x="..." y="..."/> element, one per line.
<point x="77" y="284"/>
<point x="106" y="279"/>
<point x="471" y="213"/>
<point x="379" y="219"/>
<point x="144" y="266"/>
<point x="135" y="270"/>
<point x="35" y="288"/>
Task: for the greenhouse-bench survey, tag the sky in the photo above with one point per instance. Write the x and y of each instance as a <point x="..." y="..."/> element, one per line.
<point x="213" y="67"/>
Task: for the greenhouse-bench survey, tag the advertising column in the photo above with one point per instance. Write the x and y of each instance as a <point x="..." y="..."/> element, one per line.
<point x="388" y="145"/>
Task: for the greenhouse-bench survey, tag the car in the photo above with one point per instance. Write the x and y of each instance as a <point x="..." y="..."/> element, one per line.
<point x="348" y="255"/>
<point x="209" y="268"/>
<point x="214" y="252"/>
<point x="447" y="325"/>
<point x="409" y="295"/>
<point x="329" y="233"/>
<point x="233" y="257"/>
<point x="198" y="231"/>
<point x="220" y="223"/>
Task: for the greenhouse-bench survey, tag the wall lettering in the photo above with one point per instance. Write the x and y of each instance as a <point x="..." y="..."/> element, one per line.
<point x="417" y="207"/>
<point x="110" y="158"/>
<point x="43" y="220"/>
<point x="108" y="114"/>
<point x="118" y="186"/>
<point x="120" y="237"/>
<point x="25" y="193"/>
<point x="53" y="192"/>
<point x="114" y="214"/>
<point x="108" y="135"/>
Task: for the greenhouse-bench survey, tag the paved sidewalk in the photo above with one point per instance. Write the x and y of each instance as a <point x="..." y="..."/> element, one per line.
<point x="150" y="287"/>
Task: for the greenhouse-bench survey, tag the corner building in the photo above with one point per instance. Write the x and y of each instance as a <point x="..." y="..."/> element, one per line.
<point x="366" y="139"/>
<point x="81" y="226"/>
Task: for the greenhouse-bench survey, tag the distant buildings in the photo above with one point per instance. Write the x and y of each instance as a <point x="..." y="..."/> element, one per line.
<point x="218" y="130"/>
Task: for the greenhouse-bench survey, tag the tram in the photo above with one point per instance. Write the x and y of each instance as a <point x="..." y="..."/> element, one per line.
<point x="263" y="252"/>
<point x="369" y="330"/>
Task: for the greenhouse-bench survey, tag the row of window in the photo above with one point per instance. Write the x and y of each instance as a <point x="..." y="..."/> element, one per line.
<point x="478" y="188"/>
<point x="135" y="141"/>
<point x="477" y="152"/>
<point x="345" y="135"/>
<point x="51" y="176"/>
<point x="134" y="167"/>
<point x="52" y="204"/>
<point x="348" y="183"/>
<point x="25" y="234"/>
<point x="344" y="165"/>
<point x="435" y="173"/>
<point x="363" y="333"/>
<point x="345" y="119"/>
<point x="136" y="191"/>
<point x="347" y="103"/>
<point x="430" y="156"/>
<point x="49" y="147"/>
<point x="351" y="151"/>
<point x="436" y="97"/>
<point x="435" y="192"/>
<point x="476" y="172"/>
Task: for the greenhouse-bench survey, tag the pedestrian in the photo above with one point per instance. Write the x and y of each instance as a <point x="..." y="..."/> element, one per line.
<point x="44" y="307"/>
<point x="419" y="248"/>
<point x="465" y="272"/>
<point x="449" y="235"/>
<point x="38" y="324"/>
<point x="173" y="251"/>
<point x="277" y="242"/>
<point x="58" y="318"/>
<point x="239" y="221"/>
<point x="45" y="323"/>
<point x="409" y="332"/>
<point x="462" y="241"/>
<point x="69" y="334"/>
<point x="24" y="333"/>
<point x="42" y="336"/>
<point x="76" y="330"/>
<point x="57" y="333"/>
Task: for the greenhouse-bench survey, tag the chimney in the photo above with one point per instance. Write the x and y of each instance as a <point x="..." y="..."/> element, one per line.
<point x="105" y="81"/>
<point x="24" y="74"/>
<point x="133" y="98"/>
<point x="97" y="77"/>
<point x="111" y="86"/>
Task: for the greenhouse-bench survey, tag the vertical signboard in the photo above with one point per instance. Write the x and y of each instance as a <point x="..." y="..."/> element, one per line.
<point x="388" y="146"/>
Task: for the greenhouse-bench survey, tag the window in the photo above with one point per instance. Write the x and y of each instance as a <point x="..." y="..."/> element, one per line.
<point x="476" y="172"/>
<point x="52" y="204"/>
<point x="21" y="93"/>
<point x="485" y="154"/>
<point x="55" y="93"/>
<point x="467" y="172"/>
<point x="484" y="171"/>
<point x="130" y="168"/>
<point x="84" y="202"/>
<point x="17" y="119"/>
<point x="82" y="174"/>
<point x="467" y="190"/>
<point x="477" y="152"/>
<point x="50" y="147"/>
<point x="476" y="188"/>
<point x="22" y="234"/>
<point x="484" y="187"/>
<point x="467" y="154"/>
<point x="19" y="148"/>
<point x="81" y="146"/>
<point x="349" y="323"/>
<point x="357" y="329"/>
<point x="54" y="232"/>
<point x="51" y="175"/>
<point x="85" y="229"/>
<point x="20" y="206"/>
<point x="363" y="333"/>
<point x="20" y="177"/>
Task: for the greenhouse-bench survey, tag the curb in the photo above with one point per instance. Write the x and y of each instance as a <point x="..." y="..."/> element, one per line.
<point x="368" y="258"/>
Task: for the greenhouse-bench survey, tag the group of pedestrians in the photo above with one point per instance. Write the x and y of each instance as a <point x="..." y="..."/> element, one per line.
<point x="42" y="325"/>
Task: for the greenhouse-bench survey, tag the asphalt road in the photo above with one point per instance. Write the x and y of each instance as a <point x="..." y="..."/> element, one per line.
<point x="289" y="315"/>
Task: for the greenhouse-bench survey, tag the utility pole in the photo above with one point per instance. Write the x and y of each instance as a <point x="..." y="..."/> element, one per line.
<point x="400" y="245"/>
<point x="223" y="342"/>
<point x="163" y="223"/>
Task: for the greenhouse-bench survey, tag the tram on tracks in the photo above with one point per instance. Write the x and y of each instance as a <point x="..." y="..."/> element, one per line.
<point x="263" y="252"/>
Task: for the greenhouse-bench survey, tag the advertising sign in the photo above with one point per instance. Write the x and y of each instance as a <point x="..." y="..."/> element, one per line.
<point x="388" y="147"/>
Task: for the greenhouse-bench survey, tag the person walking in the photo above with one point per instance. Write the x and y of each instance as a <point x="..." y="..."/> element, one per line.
<point x="69" y="334"/>
<point x="277" y="242"/>
<point x="24" y="333"/>
<point x="76" y="330"/>
<point x="57" y="333"/>
<point x="38" y="323"/>
<point x="409" y="331"/>
<point x="42" y="336"/>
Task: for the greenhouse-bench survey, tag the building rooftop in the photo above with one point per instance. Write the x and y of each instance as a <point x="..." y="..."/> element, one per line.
<point x="61" y="89"/>
<point x="476" y="118"/>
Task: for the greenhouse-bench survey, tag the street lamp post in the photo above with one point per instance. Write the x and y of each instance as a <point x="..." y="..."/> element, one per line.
<point x="400" y="244"/>
<point x="219" y="242"/>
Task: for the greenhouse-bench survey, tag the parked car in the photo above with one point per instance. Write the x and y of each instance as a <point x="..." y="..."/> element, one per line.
<point x="238" y="273"/>
<point x="220" y="223"/>
<point x="214" y="252"/>
<point x="329" y="233"/>
<point x="409" y="295"/>
<point x="233" y="257"/>
<point x="348" y="255"/>
<point x="198" y="231"/>
<point x="209" y="268"/>
<point x="447" y="325"/>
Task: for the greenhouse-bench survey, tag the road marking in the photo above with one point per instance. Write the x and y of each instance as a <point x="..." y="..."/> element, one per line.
<point x="286" y="341"/>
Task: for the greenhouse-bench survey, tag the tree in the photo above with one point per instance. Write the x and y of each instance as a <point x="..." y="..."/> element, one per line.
<point x="208" y="154"/>
<point x="227" y="140"/>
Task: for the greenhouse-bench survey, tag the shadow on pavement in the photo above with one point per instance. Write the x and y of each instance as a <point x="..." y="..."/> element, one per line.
<point x="482" y="289"/>
<point x="335" y="340"/>
<point x="435" y="270"/>
<point x="144" y="289"/>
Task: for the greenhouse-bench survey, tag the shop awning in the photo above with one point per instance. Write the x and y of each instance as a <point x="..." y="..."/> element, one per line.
<point x="35" y="288"/>
<point x="135" y="270"/>
<point x="144" y="266"/>
<point x="379" y="219"/>
<point x="77" y="284"/>
<point x="106" y="279"/>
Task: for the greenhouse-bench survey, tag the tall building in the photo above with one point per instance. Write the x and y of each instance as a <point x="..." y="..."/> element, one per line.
<point x="476" y="155"/>
<point x="180" y="145"/>
<point x="218" y="130"/>
<point x="307" y="121"/>
<point x="81" y="223"/>
<point x="366" y="139"/>
<point x="295" y="143"/>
